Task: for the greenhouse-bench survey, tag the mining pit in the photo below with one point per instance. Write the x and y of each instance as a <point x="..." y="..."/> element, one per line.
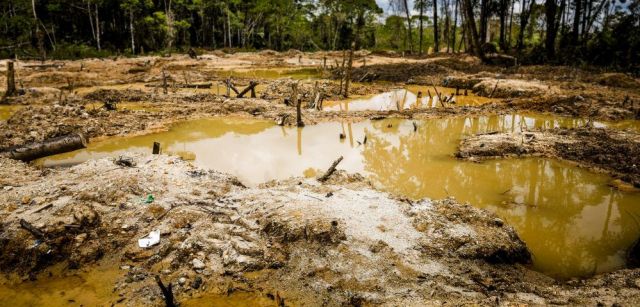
<point x="272" y="179"/>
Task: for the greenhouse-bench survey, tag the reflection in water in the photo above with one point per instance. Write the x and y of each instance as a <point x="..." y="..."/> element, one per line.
<point x="63" y="288"/>
<point x="412" y="97"/>
<point x="571" y="220"/>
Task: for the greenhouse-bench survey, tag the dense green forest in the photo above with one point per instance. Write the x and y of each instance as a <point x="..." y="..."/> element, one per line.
<point x="600" y="32"/>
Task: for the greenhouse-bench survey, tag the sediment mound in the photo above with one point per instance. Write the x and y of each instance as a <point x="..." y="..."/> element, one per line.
<point x="511" y="88"/>
<point x="394" y="72"/>
<point x="617" y="152"/>
<point x="112" y="95"/>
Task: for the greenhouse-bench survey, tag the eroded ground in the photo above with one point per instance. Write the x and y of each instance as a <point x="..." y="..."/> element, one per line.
<point x="368" y="238"/>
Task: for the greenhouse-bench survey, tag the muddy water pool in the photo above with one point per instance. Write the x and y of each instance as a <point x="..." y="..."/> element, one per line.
<point x="7" y="111"/>
<point x="573" y="222"/>
<point x="92" y="287"/>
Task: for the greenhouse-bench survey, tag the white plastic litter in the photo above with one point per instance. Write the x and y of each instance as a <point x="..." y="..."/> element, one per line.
<point x="152" y="239"/>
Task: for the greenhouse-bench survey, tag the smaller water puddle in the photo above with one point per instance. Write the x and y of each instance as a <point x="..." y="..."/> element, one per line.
<point x="7" y="111"/>
<point x="411" y="97"/>
<point x="93" y="287"/>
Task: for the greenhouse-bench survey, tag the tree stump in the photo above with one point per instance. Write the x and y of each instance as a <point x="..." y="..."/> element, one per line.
<point x="299" y="122"/>
<point x="11" y="80"/>
<point x="156" y="148"/>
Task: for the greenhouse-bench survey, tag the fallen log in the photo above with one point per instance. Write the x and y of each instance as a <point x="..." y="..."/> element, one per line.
<point x="192" y="85"/>
<point x="11" y="81"/>
<point x="233" y="88"/>
<point x="46" y="148"/>
<point x="32" y="229"/>
<point x="331" y="170"/>
<point x="251" y="86"/>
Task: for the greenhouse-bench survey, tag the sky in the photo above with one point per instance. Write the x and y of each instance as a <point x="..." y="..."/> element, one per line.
<point x="384" y="5"/>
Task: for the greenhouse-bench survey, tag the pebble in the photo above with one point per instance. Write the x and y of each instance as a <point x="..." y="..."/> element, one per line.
<point x="198" y="264"/>
<point x="197" y="282"/>
<point x="182" y="281"/>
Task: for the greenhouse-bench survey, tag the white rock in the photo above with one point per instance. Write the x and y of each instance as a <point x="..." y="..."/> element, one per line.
<point x="198" y="264"/>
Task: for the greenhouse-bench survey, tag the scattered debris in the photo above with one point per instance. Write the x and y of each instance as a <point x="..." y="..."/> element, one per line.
<point x="152" y="239"/>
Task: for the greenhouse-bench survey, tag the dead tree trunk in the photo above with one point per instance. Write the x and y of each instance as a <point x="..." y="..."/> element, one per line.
<point x="331" y="170"/>
<point x="231" y="87"/>
<point x="46" y="148"/>
<point x="33" y="230"/>
<point x="167" y="292"/>
<point x="164" y="82"/>
<point x="348" y="77"/>
<point x="299" y="122"/>
<point x="11" y="80"/>
<point x="156" y="148"/>
<point x="251" y="87"/>
<point x="314" y="93"/>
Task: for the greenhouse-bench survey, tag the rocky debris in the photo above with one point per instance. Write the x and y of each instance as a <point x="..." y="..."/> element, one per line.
<point x="483" y="236"/>
<point x="617" y="152"/>
<point x="37" y="123"/>
<point x="280" y="89"/>
<point x="466" y="64"/>
<point x="62" y="79"/>
<point x="462" y="82"/>
<point x="511" y="88"/>
<point x="614" y="107"/>
<point x="618" y="80"/>
<point x="393" y="72"/>
<point x="112" y="95"/>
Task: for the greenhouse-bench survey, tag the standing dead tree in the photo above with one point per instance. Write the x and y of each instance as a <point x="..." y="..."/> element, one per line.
<point x="342" y="71"/>
<point x="164" y="82"/>
<point x="298" y="103"/>
<point x="348" y="74"/>
<point x="299" y="121"/>
<point x="167" y="292"/>
<point x="11" y="81"/>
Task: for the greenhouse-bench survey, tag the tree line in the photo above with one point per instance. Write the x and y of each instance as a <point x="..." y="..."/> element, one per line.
<point x="601" y="32"/>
